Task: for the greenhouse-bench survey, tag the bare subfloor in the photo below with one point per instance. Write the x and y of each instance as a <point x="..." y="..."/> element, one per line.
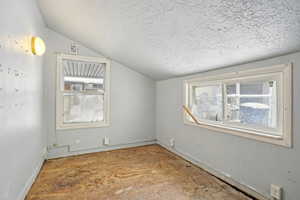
<point x="141" y="173"/>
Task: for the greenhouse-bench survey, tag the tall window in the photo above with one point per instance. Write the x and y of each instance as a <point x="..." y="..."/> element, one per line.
<point x="253" y="103"/>
<point x="82" y="99"/>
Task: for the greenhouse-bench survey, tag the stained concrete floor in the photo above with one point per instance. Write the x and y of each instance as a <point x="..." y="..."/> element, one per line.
<point x="141" y="173"/>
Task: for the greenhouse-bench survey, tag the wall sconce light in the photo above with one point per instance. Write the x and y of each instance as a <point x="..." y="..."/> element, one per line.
<point x="38" y="46"/>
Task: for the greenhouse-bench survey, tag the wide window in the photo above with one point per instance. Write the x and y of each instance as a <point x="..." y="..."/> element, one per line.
<point x="82" y="98"/>
<point x="250" y="103"/>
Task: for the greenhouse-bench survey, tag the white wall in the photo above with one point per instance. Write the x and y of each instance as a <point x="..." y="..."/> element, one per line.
<point x="132" y="107"/>
<point x="22" y="140"/>
<point x="249" y="162"/>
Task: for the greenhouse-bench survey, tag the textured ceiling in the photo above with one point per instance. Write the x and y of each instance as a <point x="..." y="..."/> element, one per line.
<point x="166" y="38"/>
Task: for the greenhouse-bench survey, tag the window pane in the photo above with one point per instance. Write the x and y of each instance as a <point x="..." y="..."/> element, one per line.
<point x="254" y="103"/>
<point x="256" y="88"/>
<point x="233" y="109"/>
<point x="83" y="76"/>
<point x="231" y="89"/>
<point x="79" y="108"/>
<point x="256" y="111"/>
<point x="207" y="103"/>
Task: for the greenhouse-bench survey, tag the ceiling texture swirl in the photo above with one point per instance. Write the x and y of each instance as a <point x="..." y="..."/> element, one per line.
<point x="168" y="38"/>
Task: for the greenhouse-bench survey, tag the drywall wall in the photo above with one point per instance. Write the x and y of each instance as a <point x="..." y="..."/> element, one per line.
<point x="246" y="161"/>
<point x="132" y="107"/>
<point x="22" y="140"/>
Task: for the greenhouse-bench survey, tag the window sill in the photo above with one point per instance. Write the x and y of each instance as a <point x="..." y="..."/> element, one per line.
<point x="81" y="126"/>
<point x="259" y="136"/>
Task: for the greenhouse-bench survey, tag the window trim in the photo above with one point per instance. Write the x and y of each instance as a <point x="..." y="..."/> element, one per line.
<point x="284" y="70"/>
<point x="59" y="93"/>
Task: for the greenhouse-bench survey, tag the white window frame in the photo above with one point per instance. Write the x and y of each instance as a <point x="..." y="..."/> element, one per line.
<point x="283" y="76"/>
<point x="60" y="125"/>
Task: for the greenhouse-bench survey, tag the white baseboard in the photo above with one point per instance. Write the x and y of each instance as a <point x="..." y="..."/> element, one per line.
<point x="32" y="178"/>
<point x="53" y="155"/>
<point x="247" y="189"/>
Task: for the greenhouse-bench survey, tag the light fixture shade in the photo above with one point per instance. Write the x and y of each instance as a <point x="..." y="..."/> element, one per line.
<point x="38" y="46"/>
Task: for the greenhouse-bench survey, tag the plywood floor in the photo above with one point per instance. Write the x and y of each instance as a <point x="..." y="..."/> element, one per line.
<point x="141" y="173"/>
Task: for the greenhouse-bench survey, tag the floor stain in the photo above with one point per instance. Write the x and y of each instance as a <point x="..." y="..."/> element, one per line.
<point x="141" y="173"/>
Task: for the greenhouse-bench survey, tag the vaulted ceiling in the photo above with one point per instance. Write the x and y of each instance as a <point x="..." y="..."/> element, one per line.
<point x="166" y="38"/>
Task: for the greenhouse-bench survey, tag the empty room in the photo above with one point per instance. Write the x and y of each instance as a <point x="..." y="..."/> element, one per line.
<point x="149" y="99"/>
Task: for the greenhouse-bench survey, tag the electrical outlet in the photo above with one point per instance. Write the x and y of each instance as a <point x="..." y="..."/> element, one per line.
<point x="77" y="141"/>
<point x="172" y="142"/>
<point x="106" y="140"/>
<point x="276" y="192"/>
